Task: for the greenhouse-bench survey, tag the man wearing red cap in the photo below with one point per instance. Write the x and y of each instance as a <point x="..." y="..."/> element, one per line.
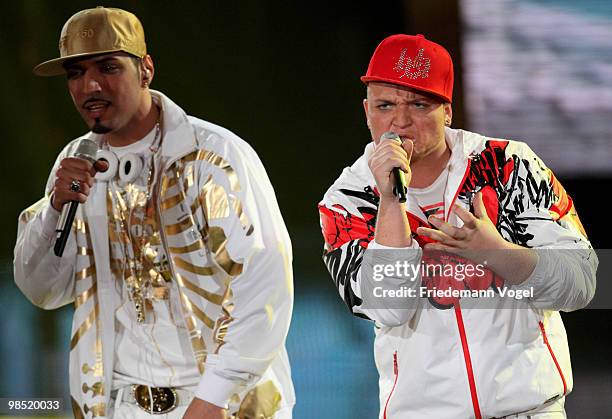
<point x="178" y="261"/>
<point x="464" y="296"/>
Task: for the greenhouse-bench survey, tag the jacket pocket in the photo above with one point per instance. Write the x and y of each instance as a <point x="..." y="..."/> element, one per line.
<point x="396" y="375"/>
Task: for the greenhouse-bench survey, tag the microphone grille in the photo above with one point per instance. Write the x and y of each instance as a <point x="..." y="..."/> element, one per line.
<point x="86" y="149"/>
<point x="390" y="135"/>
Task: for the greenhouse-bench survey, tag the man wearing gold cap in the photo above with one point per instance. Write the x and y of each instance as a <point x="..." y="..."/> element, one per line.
<point x="178" y="262"/>
<point x="457" y="269"/>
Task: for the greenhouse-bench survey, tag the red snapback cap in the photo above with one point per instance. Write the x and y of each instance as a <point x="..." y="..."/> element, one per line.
<point x="413" y="61"/>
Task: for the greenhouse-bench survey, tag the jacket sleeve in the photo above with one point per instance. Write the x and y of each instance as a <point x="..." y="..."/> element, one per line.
<point x="45" y="279"/>
<point x="350" y="251"/>
<point x="261" y="289"/>
<point x="546" y="220"/>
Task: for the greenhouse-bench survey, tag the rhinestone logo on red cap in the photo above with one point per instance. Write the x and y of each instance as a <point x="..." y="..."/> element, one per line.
<point x="413" y="67"/>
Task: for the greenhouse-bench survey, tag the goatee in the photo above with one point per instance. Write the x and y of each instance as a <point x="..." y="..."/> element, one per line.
<point x="99" y="128"/>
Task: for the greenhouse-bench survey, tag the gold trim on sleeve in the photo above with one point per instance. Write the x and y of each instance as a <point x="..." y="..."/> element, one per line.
<point x="262" y="402"/>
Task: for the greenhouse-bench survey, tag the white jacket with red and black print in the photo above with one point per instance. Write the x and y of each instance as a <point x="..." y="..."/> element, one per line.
<point x="444" y="361"/>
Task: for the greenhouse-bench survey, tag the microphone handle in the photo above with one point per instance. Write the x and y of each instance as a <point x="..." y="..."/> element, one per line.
<point x="399" y="188"/>
<point x="64" y="226"/>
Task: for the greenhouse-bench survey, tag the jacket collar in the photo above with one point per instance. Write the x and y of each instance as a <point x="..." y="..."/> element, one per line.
<point x="178" y="136"/>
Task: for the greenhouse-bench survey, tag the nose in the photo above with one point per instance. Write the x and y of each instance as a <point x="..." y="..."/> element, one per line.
<point x="401" y="118"/>
<point x="91" y="83"/>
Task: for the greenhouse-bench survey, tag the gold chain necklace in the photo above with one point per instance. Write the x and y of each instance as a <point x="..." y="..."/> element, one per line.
<point x="138" y="281"/>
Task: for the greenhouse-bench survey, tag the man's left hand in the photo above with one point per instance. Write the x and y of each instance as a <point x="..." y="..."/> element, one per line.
<point x="478" y="231"/>
<point x="201" y="409"/>
<point x="512" y="262"/>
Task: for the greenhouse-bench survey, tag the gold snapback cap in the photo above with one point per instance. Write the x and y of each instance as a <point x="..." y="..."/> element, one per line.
<point x="96" y="31"/>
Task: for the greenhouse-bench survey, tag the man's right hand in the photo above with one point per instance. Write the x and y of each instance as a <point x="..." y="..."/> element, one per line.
<point x="72" y="168"/>
<point x="387" y="155"/>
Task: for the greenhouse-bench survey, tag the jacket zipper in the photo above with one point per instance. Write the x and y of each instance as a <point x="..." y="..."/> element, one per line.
<point x="468" y="361"/>
<point x="465" y="175"/>
<point x="396" y="374"/>
<point x="552" y="354"/>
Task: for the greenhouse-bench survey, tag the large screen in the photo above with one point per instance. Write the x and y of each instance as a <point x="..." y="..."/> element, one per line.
<point x="541" y="71"/>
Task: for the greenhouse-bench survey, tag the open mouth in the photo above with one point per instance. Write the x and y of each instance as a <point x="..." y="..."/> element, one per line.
<point x="95" y="108"/>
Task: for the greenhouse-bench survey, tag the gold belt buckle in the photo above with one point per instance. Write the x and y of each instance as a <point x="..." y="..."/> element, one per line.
<point x="165" y="399"/>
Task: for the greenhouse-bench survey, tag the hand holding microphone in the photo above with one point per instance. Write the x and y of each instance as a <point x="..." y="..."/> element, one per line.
<point x="390" y="165"/>
<point x="73" y="182"/>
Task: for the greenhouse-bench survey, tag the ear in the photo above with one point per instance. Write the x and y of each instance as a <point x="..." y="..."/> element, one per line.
<point x="448" y="114"/>
<point x="367" y="115"/>
<point x="147" y="70"/>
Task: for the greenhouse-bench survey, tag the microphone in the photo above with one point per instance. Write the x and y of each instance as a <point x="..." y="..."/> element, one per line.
<point x="87" y="150"/>
<point x="399" y="188"/>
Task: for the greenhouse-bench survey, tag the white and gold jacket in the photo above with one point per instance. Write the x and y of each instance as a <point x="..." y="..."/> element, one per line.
<point x="229" y="253"/>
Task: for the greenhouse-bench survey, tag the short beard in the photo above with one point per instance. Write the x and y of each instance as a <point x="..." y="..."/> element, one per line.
<point x="98" y="128"/>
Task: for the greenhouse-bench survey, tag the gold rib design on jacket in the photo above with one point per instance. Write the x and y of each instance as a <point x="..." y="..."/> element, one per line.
<point x="81" y="226"/>
<point x="197" y="342"/>
<point x="171" y="202"/>
<point x="209" y="296"/>
<point x="214" y="200"/>
<point x="85" y="295"/>
<point x="84" y="273"/>
<point x="85" y="326"/>
<point x="224" y="320"/>
<point x="84" y="251"/>
<point x="244" y="221"/>
<point x="197" y="245"/>
<point x="178" y="227"/>
<point x="190" y="267"/>
<point x="217" y="242"/>
<point x="218" y="161"/>
<point x="210" y="323"/>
